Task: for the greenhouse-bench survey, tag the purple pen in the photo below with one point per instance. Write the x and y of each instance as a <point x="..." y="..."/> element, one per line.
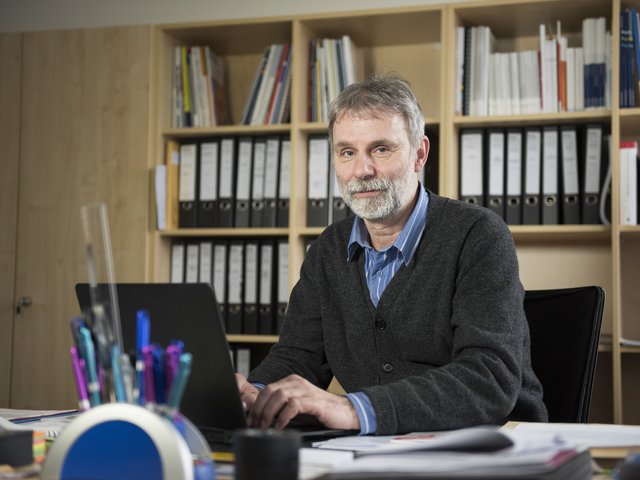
<point x="81" y="385"/>
<point x="149" y="388"/>
<point x="173" y="359"/>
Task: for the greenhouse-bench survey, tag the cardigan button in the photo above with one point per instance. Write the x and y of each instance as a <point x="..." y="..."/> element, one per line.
<point x="387" y="367"/>
<point x="380" y="324"/>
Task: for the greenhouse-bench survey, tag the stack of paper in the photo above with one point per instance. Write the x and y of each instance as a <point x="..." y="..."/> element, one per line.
<point x="482" y="452"/>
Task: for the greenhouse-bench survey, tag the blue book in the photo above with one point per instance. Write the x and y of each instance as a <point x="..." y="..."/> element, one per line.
<point x="635" y="56"/>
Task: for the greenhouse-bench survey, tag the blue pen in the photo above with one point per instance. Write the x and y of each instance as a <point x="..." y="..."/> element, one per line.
<point x="142" y="340"/>
<point x="76" y="324"/>
<point x="179" y="383"/>
<point x="116" y="371"/>
<point x="88" y="350"/>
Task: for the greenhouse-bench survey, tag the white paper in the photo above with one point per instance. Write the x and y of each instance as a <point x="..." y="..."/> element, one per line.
<point x="590" y="435"/>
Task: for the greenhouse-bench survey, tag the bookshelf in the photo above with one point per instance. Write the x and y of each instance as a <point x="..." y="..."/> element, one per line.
<point x="420" y="43"/>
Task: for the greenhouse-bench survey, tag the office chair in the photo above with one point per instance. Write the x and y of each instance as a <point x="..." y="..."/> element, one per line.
<point x="565" y="329"/>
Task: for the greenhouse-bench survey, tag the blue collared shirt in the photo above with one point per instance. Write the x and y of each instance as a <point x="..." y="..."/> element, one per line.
<point x="380" y="267"/>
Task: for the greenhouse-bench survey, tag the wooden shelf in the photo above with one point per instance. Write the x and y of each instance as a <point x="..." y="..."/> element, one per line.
<point x="566" y="233"/>
<point x="599" y="115"/>
<point x="193" y="132"/>
<point x="252" y="338"/>
<point x="419" y="43"/>
<point x="224" y="232"/>
<point x="632" y="349"/>
<point x="630" y="231"/>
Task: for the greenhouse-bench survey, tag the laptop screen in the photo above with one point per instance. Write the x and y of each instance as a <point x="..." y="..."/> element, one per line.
<point x="187" y="312"/>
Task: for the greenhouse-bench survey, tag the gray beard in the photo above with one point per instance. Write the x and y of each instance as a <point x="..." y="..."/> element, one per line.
<point x="388" y="202"/>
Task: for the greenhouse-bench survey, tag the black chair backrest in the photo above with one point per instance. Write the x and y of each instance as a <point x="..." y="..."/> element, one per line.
<point x="565" y="330"/>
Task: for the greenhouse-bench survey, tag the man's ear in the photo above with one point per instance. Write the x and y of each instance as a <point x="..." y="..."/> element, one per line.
<point x="422" y="154"/>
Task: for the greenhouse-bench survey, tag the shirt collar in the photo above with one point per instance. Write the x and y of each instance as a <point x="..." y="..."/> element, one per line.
<point x="407" y="241"/>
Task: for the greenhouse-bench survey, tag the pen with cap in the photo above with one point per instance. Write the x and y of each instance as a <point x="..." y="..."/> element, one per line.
<point x="171" y="365"/>
<point x="179" y="384"/>
<point x="118" y="377"/>
<point x="159" y="380"/>
<point x="142" y="340"/>
<point x="149" y="384"/>
<point x="81" y="386"/>
<point x="88" y="353"/>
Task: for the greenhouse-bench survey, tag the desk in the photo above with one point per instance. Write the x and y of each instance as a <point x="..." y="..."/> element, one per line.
<point x="605" y="457"/>
<point x="223" y="472"/>
<point x="309" y="472"/>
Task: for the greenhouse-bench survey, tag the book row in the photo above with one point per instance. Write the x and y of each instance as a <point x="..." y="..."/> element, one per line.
<point x="629" y="58"/>
<point x="333" y="65"/>
<point x="552" y="78"/>
<point x="537" y="175"/>
<point x="199" y="90"/>
<point x="270" y="97"/>
<point x="231" y="182"/>
<point x="200" y="97"/>
<point x="249" y="278"/>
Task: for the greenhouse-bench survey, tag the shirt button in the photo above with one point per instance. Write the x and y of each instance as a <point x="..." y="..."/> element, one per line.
<point x="387" y="367"/>
<point x="380" y="324"/>
<point x="379" y="273"/>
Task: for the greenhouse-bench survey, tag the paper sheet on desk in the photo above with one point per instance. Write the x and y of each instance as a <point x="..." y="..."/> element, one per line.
<point x="590" y="435"/>
<point x="476" y="439"/>
<point x="51" y="422"/>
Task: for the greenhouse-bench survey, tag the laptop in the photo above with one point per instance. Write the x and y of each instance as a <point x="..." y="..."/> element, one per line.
<point x="189" y="312"/>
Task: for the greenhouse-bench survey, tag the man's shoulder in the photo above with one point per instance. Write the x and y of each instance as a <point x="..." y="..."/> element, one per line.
<point x="447" y="206"/>
<point x="334" y="238"/>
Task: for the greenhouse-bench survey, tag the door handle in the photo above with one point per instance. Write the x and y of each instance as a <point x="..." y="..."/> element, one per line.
<point x="23" y="302"/>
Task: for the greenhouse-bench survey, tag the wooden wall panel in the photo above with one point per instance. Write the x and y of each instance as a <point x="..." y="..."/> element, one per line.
<point x="84" y="139"/>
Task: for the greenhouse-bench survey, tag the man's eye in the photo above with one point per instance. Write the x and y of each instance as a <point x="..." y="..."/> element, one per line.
<point x="381" y="150"/>
<point x="347" y="153"/>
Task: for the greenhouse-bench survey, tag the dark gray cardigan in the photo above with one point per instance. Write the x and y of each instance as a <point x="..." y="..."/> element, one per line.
<point x="448" y="345"/>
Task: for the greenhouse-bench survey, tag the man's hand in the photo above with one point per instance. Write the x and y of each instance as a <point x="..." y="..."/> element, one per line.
<point x="248" y="393"/>
<point x="283" y="400"/>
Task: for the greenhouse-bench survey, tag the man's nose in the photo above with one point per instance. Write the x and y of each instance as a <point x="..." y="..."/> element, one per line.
<point x="364" y="166"/>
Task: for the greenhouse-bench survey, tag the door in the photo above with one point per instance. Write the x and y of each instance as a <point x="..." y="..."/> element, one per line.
<point x="84" y="139"/>
<point x="10" y="59"/>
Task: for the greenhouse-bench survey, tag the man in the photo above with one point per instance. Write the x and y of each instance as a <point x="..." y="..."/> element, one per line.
<point x="415" y="306"/>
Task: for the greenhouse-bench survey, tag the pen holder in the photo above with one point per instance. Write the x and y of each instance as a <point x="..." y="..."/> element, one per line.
<point x="124" y="441"/>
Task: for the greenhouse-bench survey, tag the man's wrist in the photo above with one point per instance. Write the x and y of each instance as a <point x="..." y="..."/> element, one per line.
<point x="365" y="412"/>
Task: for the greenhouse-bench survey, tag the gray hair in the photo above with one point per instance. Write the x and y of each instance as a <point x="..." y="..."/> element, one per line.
<point x="380" y="95"/>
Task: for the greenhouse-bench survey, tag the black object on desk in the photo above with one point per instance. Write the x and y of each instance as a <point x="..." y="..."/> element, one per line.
<point x="16" y="447"/>
<point x="266" y="454"/>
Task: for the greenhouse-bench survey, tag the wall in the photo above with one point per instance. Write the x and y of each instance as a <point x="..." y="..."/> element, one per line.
<point x="35" y="15"/>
